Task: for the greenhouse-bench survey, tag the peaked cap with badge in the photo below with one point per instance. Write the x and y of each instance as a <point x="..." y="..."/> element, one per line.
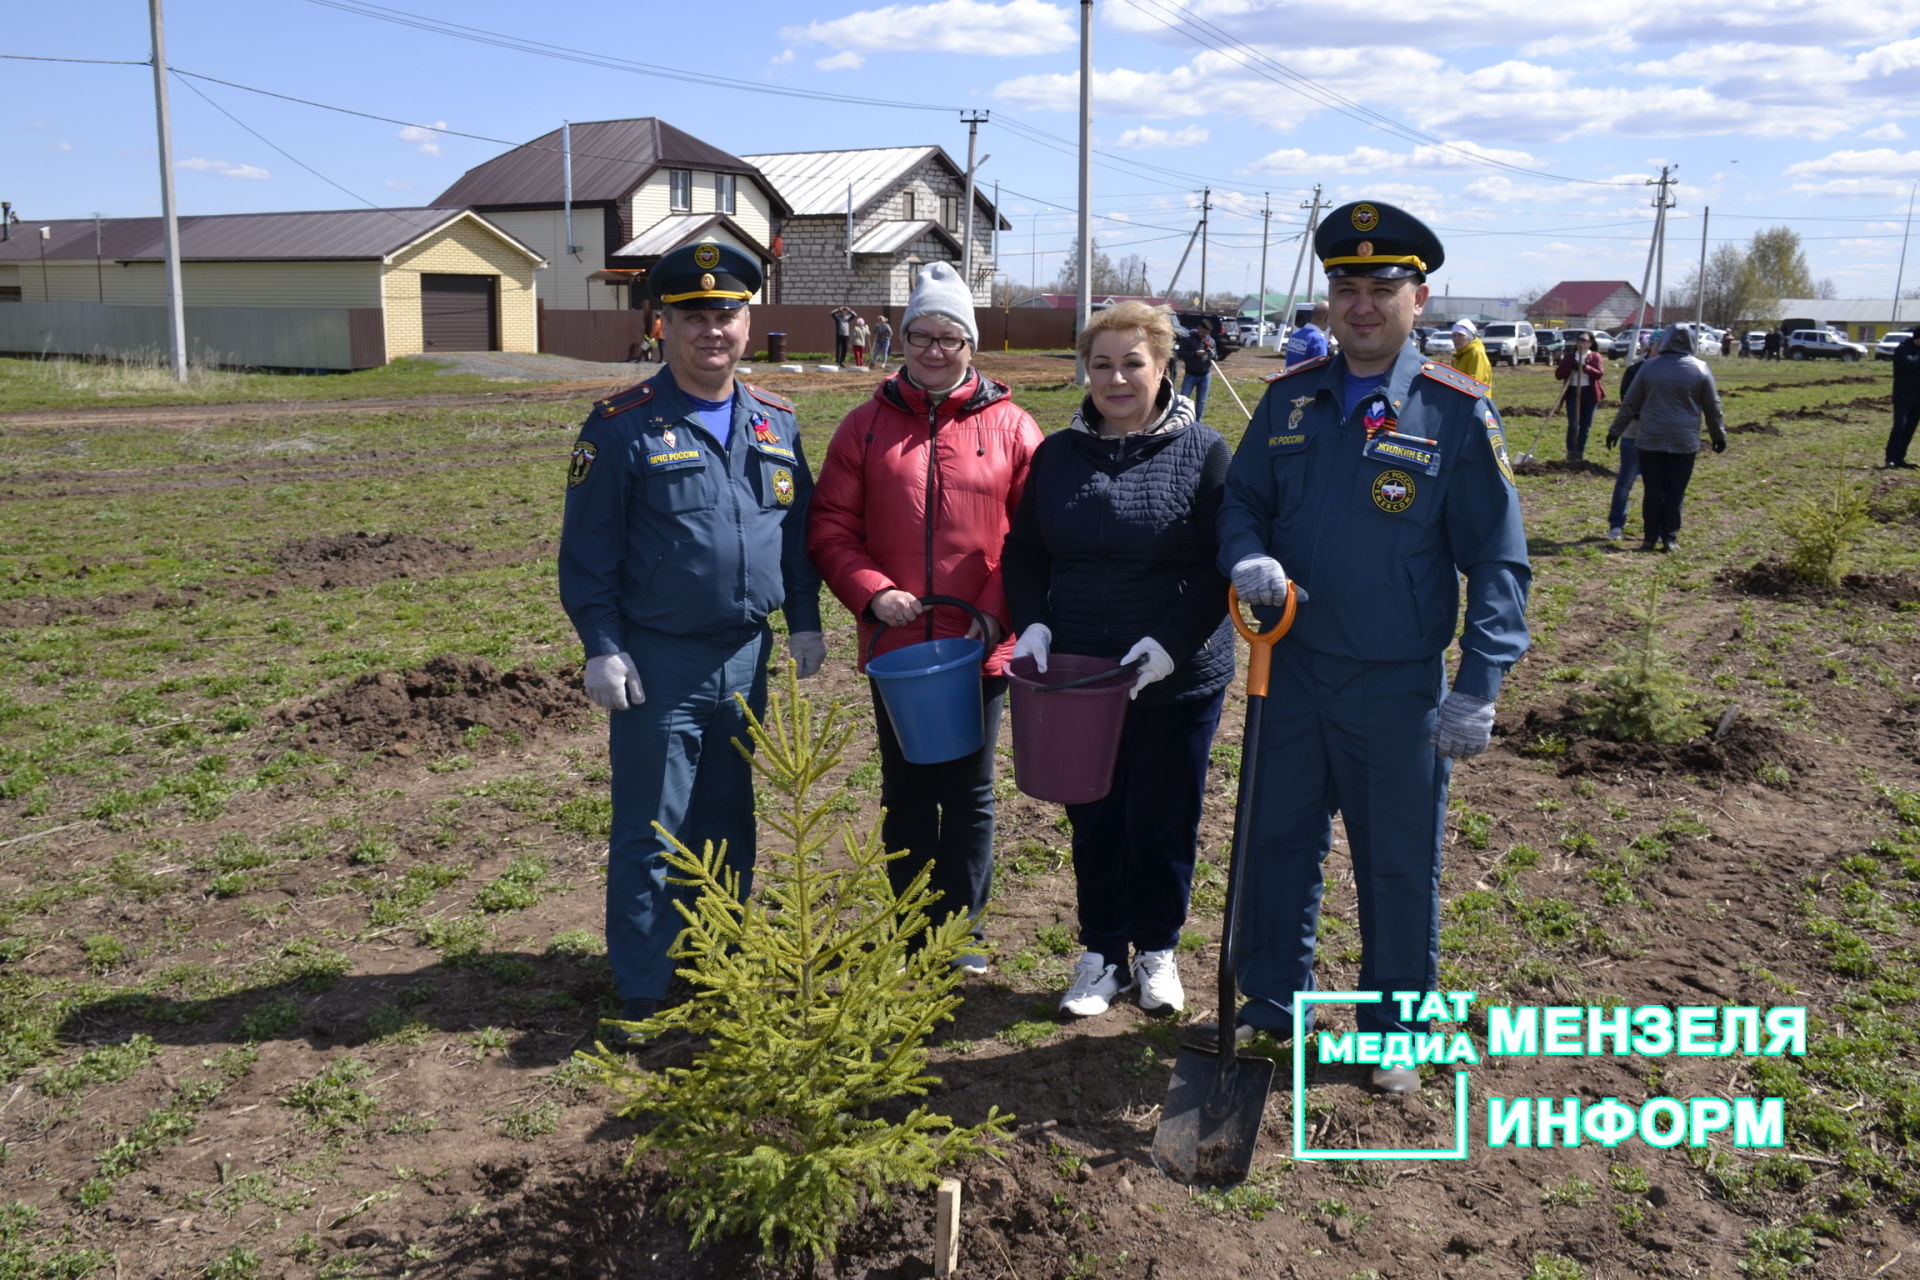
<point x="705" y="277"/>
<point x="1372" y="238"/>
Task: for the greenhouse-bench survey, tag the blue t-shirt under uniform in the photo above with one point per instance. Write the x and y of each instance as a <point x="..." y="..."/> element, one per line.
<point x="715" y="415"/>
<point x="1357" y="388"/>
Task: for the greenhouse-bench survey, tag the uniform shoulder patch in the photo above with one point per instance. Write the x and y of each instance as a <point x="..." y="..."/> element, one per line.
<point x="622" y="401"/>
<point x="1302" y="367"/>
<point x="1447" y="375"/>
<point x="767" y="397"/>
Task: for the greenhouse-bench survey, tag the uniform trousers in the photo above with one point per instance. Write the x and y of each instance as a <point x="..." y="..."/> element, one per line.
<point x="942" y="813"/>
<point x="1133" y="849"/>
<point x="1666" y="476"/>
<point x="1347" y="735"/>
<point x="674" y="762"/>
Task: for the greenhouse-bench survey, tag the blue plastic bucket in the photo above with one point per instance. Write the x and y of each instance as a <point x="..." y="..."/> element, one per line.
<point x="931" y="691"/>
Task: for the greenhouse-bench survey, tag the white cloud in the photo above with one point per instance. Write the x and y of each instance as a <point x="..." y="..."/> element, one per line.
<point x="782" y="58"/>
<point x="428" y="138"/>
<point x="1888" y="132"/>
<point x="62" y="145"/>
<point x="1013" y="29"/>
<point x="845" y="60"/>
<point x="1881" y="161"/>
<point x="225" y="168"/>
<point x="1503" y="77"/>
<point x="1147" y="137"/>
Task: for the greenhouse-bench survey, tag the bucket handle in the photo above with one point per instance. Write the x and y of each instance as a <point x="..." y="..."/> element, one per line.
<point x="1094" y="677"/>
<point x="873" y="644"/>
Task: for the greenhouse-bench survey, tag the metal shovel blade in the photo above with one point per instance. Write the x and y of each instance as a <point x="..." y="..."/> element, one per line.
<point x="1211" y="1122"/>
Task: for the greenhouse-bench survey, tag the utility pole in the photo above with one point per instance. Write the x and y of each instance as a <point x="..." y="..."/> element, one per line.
<point x="1206" y="194"/>
<point x="1900" y="276"/>
<point x="1085" y="307"/>
<point x="973" y="120"/>
<point x="176" y="306"/>
<point x="99" y="279"/>
<point x="1700" y="303"/>
<point x="1660" y="205"/>
<point x="1260" y="310"/>
<point x="1306" y="239"/>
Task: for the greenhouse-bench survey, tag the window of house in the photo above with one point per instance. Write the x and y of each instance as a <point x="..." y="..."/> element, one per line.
<point x="723" y="187"/>
<point x="9" y="293"/>
<point x="950" y="212"/>
<point x="906" y="206"/>
<point x="680" y="189"/>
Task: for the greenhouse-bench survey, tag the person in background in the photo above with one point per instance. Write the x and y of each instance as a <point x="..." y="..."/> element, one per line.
<point x="1309" y="341"/>
<point x="684" y="530"/>
<point x="1197" y="354"/>
<point x="1771" y="347"/>
<point x="1581" y="368"/>
<point x="1726" y="343"/>
<point x="882" y="342"/>
<point x="1906" y="403"/>
<point x="859" y="337"/>
<point x="843" y="318"/>
<point x="1661" y="409"/>
<point x="915" y="497"/>
<point x="1378" y="480"/>
<point x="1469" y="353"/>
<point x="1112" y="555"/>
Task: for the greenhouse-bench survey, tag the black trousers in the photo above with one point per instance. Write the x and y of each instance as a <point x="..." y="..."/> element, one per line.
<point x="942" y="813"/>
<point x="840" y="341"/>
<point x="1579" y="421"/>
<point x="1904" y="416"/>
<point x="1665" y="476"/>
<point x="1133" y="849"/>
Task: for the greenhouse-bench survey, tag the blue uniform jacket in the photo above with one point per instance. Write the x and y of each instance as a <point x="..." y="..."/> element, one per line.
<point x="1377" y="542"/>
<point x="665" y="529"/>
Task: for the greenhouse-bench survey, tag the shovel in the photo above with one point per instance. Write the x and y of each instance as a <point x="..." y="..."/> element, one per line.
<point x="1528" y="456"/>
<point x="1235" y="394"/>
<point x="1211" y="1121"/>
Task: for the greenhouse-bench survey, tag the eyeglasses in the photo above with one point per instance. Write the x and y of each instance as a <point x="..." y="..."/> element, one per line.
<point x="925" y="340"/>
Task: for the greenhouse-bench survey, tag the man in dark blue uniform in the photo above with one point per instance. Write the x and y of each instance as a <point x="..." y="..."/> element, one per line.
<point x="685" y="528"/>
<point x="1376" y="478"/>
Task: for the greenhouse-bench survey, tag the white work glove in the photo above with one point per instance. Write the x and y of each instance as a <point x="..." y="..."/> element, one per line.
<point x="613" y="682"/>
<point x="1464" y="726"/>
<point x="1158" y="664"/>
<point x="1034" y="643"/>
<point x="1259" y="580"/>
<point x="808" y="650"/>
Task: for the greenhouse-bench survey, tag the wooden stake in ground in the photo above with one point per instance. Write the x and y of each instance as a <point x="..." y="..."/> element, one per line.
<point x="946" y="1228"/>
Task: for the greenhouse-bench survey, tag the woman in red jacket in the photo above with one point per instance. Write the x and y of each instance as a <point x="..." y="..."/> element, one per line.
<point x="1581" y="368"/>
<point x="914" y="499"/>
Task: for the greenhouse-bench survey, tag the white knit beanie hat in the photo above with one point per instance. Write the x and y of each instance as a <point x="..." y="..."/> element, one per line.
<point x="939" y="291"/>
<point x="1465" y="328"/>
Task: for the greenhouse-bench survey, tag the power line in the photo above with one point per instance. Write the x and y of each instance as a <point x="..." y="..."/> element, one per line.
<point x="1209" y="36"/>
<point x="99" y="62"/>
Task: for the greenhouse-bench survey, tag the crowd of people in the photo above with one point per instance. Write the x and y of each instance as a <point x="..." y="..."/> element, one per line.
<point x="1368" y="472"/>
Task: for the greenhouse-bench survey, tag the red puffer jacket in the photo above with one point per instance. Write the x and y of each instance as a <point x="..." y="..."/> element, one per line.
<point x="916" y="493"/>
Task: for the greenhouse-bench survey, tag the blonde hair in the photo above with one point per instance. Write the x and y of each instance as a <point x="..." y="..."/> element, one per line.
<point x="1154" y="322"/>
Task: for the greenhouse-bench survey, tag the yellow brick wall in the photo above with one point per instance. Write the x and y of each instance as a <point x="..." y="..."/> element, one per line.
<point x="463" y="249"/>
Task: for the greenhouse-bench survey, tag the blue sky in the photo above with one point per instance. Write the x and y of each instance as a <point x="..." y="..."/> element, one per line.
<point x="1522" y="132"/>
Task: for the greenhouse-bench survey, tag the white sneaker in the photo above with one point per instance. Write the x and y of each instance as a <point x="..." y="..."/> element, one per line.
<point x="1158" y="976"/>
<point x="1616" y="533"/>
<point x="1095" y="984"/>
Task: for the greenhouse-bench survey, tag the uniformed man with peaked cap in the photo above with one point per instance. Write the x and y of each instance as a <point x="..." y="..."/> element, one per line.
<point x="1374" y="479"/>
<point x="684" y="530"/>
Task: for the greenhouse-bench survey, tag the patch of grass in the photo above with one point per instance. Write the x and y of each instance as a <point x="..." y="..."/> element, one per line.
<point x="1569" y="1193"/>
<point x="578" y="944"/>
<point x="107" y="1064"/>
<point x="1056" y="940"/>
<point x="1027" y="1032"/>
<point x="528" y="1121"/>
<point x="516" y="888"/>
<point x="333" y="1102"/>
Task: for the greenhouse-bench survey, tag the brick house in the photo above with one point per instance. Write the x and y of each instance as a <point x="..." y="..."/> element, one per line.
<point x="863" y="222"/>
<point x="1585" y="304"/>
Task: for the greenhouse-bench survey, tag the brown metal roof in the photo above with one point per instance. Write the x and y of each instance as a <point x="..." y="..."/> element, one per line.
<point x="610" y="159"/>
<point x="343" y="235"/>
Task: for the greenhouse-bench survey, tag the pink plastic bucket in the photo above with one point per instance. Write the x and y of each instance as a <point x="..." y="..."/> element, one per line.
<point x="1065" y="742"/>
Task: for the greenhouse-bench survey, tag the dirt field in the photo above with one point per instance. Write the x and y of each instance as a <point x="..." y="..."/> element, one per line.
<point x="185" y="967"/>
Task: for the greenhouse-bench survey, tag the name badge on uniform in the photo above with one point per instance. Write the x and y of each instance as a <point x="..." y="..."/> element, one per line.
<point x="1404" y="450"/>
<point x="673" y="458"/>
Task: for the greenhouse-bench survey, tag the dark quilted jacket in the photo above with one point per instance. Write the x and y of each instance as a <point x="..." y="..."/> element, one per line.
<point x="1114" y="540"/>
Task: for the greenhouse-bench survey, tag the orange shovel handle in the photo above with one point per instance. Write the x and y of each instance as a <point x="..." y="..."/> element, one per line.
<point x="1260" y="643"/>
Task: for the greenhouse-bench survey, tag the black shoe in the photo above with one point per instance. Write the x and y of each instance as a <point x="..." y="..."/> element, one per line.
<point x="1903" y="465"/>
<point x="1651" y="544"/>
<point x="624" y="1040"/>
<point x="1670" y="544"/>
<point x="1206" y="1035"/>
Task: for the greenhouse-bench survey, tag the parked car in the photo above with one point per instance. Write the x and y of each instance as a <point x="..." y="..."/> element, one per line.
<point x="1706" y="341"/>
<point x="1884" y="349"/>
<point x="1439" y="343"/>
<point x="1551" y="343"/>
<point x="1755" y="342"/>
<point x="1511" y="341"/>
<point x="1822" y="344"/>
